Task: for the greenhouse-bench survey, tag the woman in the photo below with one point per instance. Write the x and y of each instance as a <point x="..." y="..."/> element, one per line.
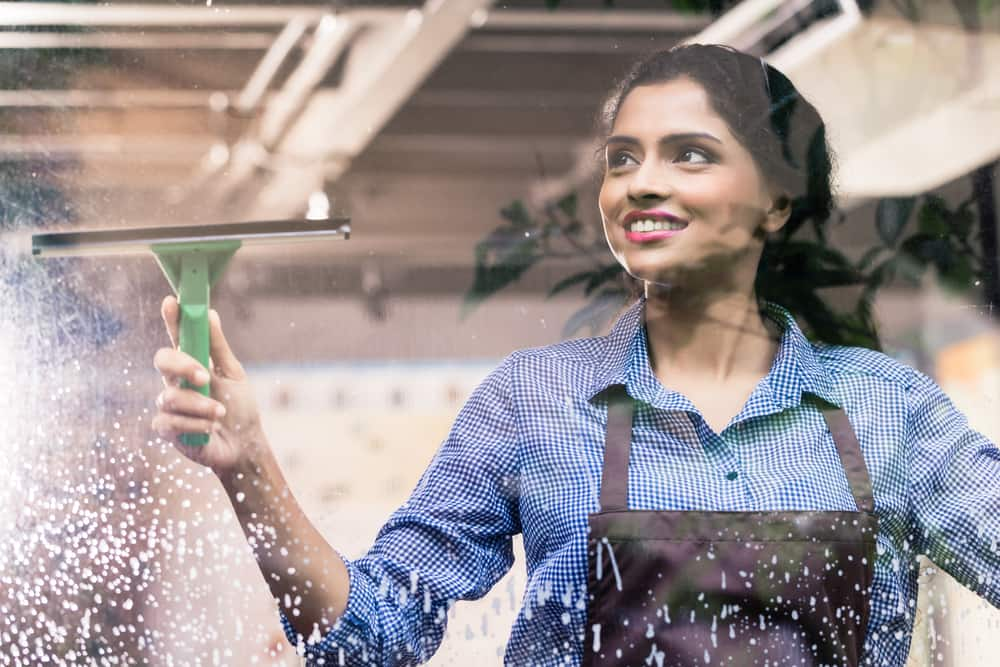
<point x="700" y="486"/>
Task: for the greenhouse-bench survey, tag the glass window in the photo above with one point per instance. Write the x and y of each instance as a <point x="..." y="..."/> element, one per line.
<point x="515" y="220"/>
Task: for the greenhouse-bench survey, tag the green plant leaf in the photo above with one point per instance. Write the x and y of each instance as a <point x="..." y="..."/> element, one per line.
<point x="891" y="216"/>
<point x="916" y="253"/>
<point x="569" y="281"/>
<point x="593" y="279"/>
<point x="933" y="217"/>
<point x="819" y="227"/>
<point x="834" y="278"/>
<point x="572" y="228"/>
<point x="963" y="221"/>
<point x="517" y="214"/>
<point x="815" y="253"/>
<point x="601" y="276"/>
<point x="810" y="263"/>
<point x="927" y="248"/>
<point x="501" y="259"/>
<point x="956" y="273"/>
<point x="880" y="275"/>
<point x="568" y="205"/>
<point x="863" y="311"/>
<point x="869" y="257"/>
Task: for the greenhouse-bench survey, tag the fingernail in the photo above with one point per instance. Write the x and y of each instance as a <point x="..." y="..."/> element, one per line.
<point x="201" y="377"/>
<point x="220" y="411"/>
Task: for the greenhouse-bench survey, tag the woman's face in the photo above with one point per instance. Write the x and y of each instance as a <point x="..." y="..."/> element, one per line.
<point x="682" y="200"/>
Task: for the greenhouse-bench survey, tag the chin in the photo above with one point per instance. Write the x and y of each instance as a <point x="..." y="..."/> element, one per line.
<point x="652" y="269"/>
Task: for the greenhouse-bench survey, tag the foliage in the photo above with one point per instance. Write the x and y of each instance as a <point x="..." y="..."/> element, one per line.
<point x="526" y="239"/>
<point x="796" y="267"/>
<point x="916" y="235"/>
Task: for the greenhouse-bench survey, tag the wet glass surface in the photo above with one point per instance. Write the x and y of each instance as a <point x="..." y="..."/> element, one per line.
<point x="461" y="139"/>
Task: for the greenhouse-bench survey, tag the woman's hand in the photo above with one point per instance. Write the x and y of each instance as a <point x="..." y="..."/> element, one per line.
<point x="305" y="568"/>
<point x="230" y="415"/>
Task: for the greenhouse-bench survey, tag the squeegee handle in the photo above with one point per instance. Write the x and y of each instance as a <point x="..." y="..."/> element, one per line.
<point x="192" y="299"/>
<point x="194" y="336"/>
<point x="192" y="268"/>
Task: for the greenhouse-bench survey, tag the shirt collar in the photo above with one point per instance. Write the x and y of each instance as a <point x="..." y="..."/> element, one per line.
<point x="796" y="369"/>
<point x="614" y="356"/>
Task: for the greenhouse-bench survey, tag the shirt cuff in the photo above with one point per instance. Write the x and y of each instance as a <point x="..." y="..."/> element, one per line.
<point x="351" y="641"/>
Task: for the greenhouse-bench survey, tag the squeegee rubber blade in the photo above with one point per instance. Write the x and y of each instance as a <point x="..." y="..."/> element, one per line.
<point x="192" y="269"/>
<point x="139" y="240"/>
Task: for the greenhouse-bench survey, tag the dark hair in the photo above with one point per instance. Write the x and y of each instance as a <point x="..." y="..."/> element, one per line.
<point x="781" y="130"/>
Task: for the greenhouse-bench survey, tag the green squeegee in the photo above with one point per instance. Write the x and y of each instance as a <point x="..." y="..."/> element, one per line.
<point x="192" y="258"/>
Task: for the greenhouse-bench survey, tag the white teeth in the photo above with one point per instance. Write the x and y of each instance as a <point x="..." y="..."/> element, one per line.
<point x="650" y="225"/>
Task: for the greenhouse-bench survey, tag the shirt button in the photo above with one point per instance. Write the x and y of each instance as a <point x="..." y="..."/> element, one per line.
<point x="732" y="475"/>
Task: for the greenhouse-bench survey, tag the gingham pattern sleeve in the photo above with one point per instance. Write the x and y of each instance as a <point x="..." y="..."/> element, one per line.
<point x="954" y="490"/>
<point x="526" y="451"/>
<point x="450" y="541"/>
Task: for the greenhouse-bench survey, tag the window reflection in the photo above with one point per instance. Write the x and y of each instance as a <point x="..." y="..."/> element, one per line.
<point x="459" y="138"/>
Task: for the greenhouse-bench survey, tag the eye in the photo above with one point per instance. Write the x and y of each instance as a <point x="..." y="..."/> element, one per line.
<point x="620" y="158"/>
<point x="694" y="156"/>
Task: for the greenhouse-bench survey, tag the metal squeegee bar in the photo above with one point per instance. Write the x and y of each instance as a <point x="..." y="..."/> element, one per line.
<point x="139" y="240"/>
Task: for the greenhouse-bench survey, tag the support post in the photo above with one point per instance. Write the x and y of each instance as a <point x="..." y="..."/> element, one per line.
<point x="985" y="195"/>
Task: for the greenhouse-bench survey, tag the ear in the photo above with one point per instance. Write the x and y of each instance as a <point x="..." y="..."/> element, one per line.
<point x="778" y="214"/>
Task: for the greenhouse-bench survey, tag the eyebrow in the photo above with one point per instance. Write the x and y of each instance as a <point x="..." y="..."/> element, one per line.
<point x="668" y="139"/>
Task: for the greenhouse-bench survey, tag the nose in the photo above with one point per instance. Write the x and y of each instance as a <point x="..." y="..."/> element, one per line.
<point x="649" y="182"/>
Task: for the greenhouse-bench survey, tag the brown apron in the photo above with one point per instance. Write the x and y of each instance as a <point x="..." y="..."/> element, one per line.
<point x="685" y="588"/>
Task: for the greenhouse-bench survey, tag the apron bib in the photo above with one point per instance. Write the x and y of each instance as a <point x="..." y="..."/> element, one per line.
<point x="679" y="588"/>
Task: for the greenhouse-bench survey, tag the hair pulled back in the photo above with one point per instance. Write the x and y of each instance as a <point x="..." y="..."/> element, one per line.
<point x="786" y="138"/>
<point x="782" y="131"/>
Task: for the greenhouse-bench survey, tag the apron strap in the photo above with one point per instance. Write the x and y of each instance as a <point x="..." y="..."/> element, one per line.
<point x="850" y="456"/>
<point x="617" y="447"/>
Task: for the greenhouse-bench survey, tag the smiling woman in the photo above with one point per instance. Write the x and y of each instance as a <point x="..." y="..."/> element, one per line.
<point x="725" y="118"/>
<point x="703" y="485"/>
<point x="702" y="167"/>
<point x="675" y="171"/>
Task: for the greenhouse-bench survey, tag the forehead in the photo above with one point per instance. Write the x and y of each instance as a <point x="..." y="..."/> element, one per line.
<point x="679" y="105"/>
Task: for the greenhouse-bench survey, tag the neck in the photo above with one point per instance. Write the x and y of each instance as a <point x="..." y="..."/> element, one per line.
<point x="714" y="336"/>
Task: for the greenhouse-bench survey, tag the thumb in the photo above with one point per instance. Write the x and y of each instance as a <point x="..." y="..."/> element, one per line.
<point x="169" y="313"/>
<point x="225" y="362"/>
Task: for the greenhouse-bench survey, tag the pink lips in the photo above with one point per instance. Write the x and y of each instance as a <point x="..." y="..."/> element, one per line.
<point x="647" y="237"/>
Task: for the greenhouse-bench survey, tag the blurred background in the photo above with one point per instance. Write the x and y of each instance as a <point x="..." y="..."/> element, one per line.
<point x="459" y="136"/>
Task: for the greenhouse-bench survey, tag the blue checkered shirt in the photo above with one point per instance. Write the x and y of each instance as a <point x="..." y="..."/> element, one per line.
<point x="525" y="455"/>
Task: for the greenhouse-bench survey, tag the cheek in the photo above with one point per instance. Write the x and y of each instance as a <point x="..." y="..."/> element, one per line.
<point x="722" y="199"/>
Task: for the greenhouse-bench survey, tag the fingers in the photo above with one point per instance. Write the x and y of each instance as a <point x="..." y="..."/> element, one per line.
<point x="184" y="410"/>
<point x="175" y="365"/>
<point x="189" y="403"/>
<point x="224" y="360"/>
<point x="169" y="312"/>
<point x="171" y="426"/>
<point x="221" y="357"/>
